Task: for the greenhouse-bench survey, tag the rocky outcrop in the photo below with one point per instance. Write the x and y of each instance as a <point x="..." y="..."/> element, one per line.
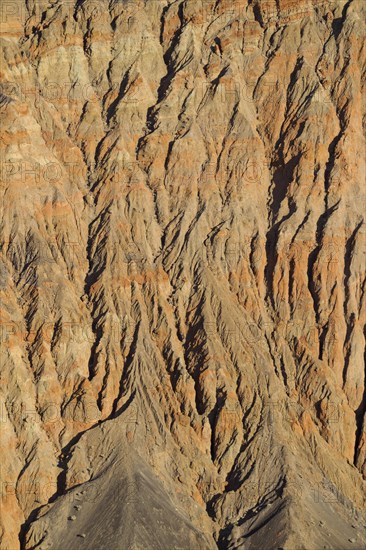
<point x="182" y="274"/>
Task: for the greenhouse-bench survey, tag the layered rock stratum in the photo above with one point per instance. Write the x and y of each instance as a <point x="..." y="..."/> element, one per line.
<point x="182" y="274"/>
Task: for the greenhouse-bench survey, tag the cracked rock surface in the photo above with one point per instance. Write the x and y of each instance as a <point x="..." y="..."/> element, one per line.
<point x="182" y="274"/>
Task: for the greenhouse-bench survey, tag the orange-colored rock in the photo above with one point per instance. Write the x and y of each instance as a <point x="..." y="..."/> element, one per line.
<point x="182" y="274"/>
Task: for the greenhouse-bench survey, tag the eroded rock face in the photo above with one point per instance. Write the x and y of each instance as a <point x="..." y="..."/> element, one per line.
<point x="182" y="274"/>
